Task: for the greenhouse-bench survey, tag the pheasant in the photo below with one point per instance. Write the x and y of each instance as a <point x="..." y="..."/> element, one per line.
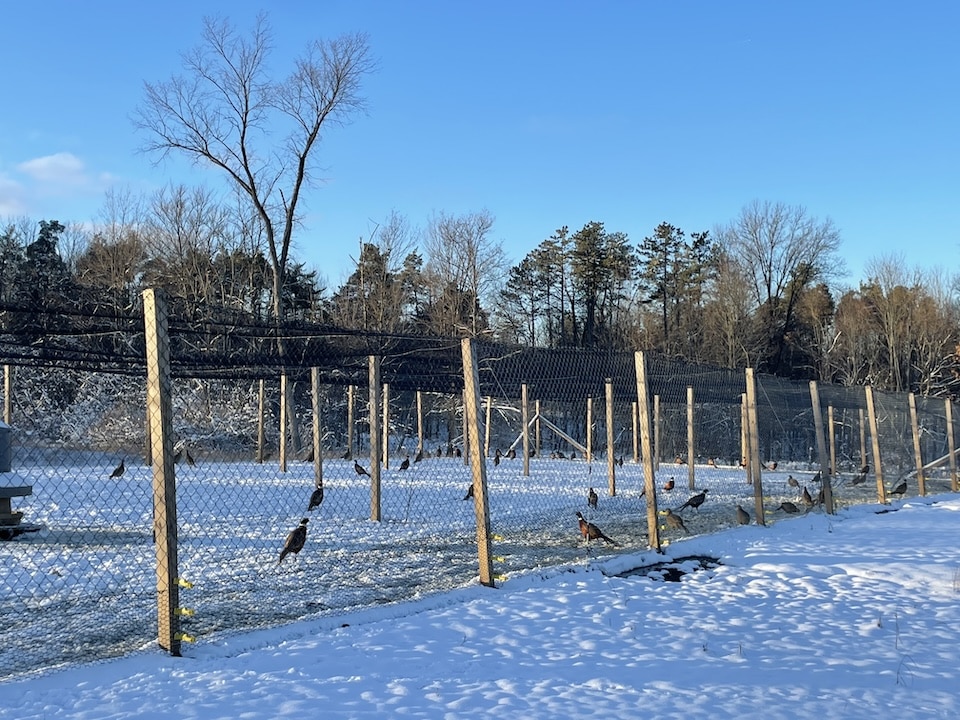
<point x="295" y="540"/>
<point x="591" y="531"/>
<point x="696" y="501"/>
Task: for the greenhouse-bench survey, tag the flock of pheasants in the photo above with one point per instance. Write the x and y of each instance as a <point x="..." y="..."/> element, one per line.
<point x="297" y="537"/>
<point x="590" y="531"/>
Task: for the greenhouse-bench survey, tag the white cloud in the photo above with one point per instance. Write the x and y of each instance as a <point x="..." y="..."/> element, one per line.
<point x="60" y="168"/>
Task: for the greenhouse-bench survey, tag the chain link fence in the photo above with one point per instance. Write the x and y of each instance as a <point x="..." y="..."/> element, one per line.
<point x="398" y="518"/>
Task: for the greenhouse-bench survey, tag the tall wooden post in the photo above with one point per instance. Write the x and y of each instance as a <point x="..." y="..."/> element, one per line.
<point x="691" y="457"/>
<point x="649" y="472"/>
<point x="374" y="415"/>
<point x="164" y="481"/>
<point x="317" y="427"/>
<point x="635" y="420"/>
<point x="951" y="445"/>
<point x="754" y="458"/>
<point x="877" y="469"/>
<point x="611" y="454"/>
<point x="471" y="397"/>
<point x="917" y="453"/>
<point x="821" y="448"/>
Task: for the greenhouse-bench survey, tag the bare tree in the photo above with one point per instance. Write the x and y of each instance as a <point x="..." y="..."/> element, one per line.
<point x="262" y="133"/>
<point x="727" y="316"/>
<point x="188" y="228"/>
<point x="782" y="251"/>
<point x="466" y="266"/>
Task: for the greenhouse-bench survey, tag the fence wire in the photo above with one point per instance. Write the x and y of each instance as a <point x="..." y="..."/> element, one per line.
<point x="79" y="578"/>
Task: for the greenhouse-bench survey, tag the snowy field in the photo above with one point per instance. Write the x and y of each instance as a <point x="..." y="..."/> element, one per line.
<point x="82" y="588"/>
<point x="855" y="615"/>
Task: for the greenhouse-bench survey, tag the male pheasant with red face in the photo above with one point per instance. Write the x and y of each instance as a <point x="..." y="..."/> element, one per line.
<point x="591" y="531"/>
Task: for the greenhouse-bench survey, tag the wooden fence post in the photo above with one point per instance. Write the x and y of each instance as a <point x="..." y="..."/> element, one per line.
<point x="164" y="481"/>
<point x="821" y="448"/>
<point x="917" y="454"/>
<point x="877" y="469"/>
<point x="374" y="415"/>
<point x="478" y="463"/>
<point x="754" y="439"/>
<point x="649" y="472"/>
<point x="611" y="455"/>
<point x="635" y="420"/>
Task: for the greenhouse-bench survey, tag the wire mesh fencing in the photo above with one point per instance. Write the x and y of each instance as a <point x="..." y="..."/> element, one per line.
<point x="356" y="445"/>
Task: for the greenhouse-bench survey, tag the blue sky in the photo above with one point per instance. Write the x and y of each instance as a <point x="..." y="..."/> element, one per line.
<point x="543" y="113"/>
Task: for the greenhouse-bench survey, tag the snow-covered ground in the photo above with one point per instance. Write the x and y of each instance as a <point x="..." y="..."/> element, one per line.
<point x="854" y="615"/>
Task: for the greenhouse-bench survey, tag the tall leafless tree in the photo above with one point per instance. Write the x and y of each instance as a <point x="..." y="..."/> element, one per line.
<point x="262" y="133"/>
<point x="466" y="266"/>
<point x="783" y="250"/>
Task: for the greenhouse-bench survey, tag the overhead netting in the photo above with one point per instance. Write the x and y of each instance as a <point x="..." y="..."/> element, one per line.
<point x="79" y="578"/>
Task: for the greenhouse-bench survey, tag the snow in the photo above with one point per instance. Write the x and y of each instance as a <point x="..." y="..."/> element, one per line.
<point x="854" y="615"/>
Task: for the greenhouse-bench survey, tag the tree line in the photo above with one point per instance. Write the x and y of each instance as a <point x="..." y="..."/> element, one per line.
<point x="758" y="291"/>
